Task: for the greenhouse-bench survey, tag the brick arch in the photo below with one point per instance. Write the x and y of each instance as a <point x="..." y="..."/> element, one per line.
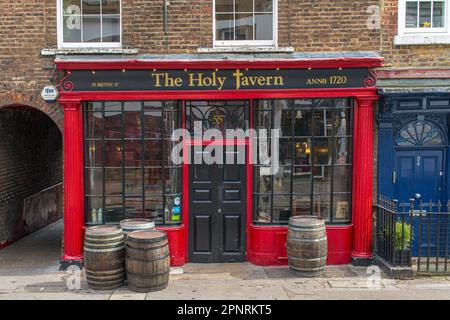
<point x="53" y="110"/>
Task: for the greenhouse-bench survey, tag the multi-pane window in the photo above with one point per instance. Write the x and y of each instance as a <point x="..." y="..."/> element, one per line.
<point x="315" y="160"/>
<point x="89" y="23"/>
<point x="424" y="16"/>
<point x="128" y="167"/>
<point x="245" y="22"/>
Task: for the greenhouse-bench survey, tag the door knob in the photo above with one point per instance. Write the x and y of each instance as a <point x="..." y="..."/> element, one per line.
<point x="219" y="210"/>
<point x="417" y="196"/>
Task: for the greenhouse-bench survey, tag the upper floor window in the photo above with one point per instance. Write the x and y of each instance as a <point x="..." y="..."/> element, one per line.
<point x="430" y="16"/>
<point x="89" y="23"/>
<point x="245" y="22"/>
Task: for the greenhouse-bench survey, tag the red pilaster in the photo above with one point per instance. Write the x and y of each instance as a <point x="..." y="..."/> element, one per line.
<point x="362" y="181"/>
<point x="73" y="183"/>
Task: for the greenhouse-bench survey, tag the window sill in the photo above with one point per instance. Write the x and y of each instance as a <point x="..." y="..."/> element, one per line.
<point x="421" y="39"/>
<point x="53" y="51"/>
<point x="246" y="49"/>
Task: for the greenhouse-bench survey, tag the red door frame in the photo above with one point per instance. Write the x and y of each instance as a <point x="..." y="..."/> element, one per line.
<point x="364" y="97"/>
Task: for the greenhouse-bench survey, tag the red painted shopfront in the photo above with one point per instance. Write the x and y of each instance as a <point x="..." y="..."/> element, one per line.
<point x="293" y="81"/>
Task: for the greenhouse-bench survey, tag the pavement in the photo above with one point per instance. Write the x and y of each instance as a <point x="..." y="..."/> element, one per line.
<point x="29" y="271"/>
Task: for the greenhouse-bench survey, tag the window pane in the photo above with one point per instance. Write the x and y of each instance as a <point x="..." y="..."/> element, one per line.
<point x="264" y="180"/>
<point x="244" y="27"/>
<point x="113" y="153"/>
<point x="282" y="180"/>
<point x="72" y="28"/>
<point x="113" y="182"/>
<point x="173" y="181"/>
<point x="94" y="182"/>
<point x="133" y="208"/>
<point x="91" y="29"/>
<point x="153" y="153"/>
<point x="113" y="106"/>
<point x="133" y="153"/>
<point x="111" y="6"/>
<point x="69" y="5"/>
<point x="244" y="5"/>
<point x="113" y="210"/>
<point x="425" y="14"/>
<point x="322" y="179"/>
<point x="153" y="183"/>
<point x="224" y="27"/>
<point x="342" y="208"/>
<point x="323" y="122"/>
<point x="172" y="211"/>
<point x="111" y="29"/>
<point x="113" y="125"/>
<point x="132" y="121"/>
<point x="283" y="121"/>
<point x="321" y="206"/>
<point x="152" y="123"/>
<point x="224" y="6"/>
<point x="342" y="122"/>
<point x="301" y="205"/>
<point x="343" y="150"/>
<point x="94" y="125"/>
<point x="153" y="208"/>
<point x="133" y="182"/>
<point x="303" y="122"/>
<point x="302" y="180"/>
<point x="263" y="26"/>
<point x="94" y="210"/>
<point x="411" y="14"/>
<point x="322" y="151"/>
<point x="302" y="152"/>
<point x="94" y="154"/>
<point x="342" y="179"/>
<point x="438" y="14"/>
<point x="263" y="208"/>
<point x="91" y="6"/>
<point x="285" y="150"/>
<point x="281" y="208"/>
<point x="263" y="5"/>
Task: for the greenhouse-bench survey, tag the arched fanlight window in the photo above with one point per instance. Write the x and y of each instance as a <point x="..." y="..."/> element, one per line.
<point x="419" y="133"/>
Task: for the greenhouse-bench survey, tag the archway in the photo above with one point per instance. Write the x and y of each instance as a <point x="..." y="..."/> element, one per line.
<point x="31" y="172"/>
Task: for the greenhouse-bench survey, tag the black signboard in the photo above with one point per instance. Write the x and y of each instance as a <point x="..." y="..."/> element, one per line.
<point x="224" y="79"/>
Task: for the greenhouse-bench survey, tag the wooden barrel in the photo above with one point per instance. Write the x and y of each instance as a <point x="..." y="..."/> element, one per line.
<point x="104" y="257"/>
<point x="306" y="245"/>
<point x="147" y="260"/>
<point x="131" y="225"/>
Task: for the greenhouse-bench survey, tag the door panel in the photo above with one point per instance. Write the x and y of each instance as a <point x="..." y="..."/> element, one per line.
<point x="419" y="172"/>
<point x="217" y="212"/>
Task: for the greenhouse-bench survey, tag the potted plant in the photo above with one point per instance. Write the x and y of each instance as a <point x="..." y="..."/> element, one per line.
<point x="402" y="245"/>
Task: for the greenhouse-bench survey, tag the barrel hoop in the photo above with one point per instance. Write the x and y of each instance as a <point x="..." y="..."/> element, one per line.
<point x="115" y="271"/>
<point x="104" y="250"/>
<point x="295" y="228"/>
<point x="307" y="240"/>
<point x="103" y="235"/>
<point x="118" y="237"/>
<point x="145" y="275"/>
<point x="312" y="259"/>
<point x="151" y="260"/>
<point x="148" y="249"/>
<point x="110" y="245"/>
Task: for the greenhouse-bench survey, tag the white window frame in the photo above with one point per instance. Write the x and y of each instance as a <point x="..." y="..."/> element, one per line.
<point x="248" y="43"/>
<point x="82" y="45"/>
<point x="402" y="30"/>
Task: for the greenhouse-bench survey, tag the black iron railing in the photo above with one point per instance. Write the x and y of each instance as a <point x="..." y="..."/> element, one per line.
<point x="414" y="234"/>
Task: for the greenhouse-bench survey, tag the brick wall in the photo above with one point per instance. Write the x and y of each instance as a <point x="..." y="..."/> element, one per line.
<point x="408" y="56"/>
<point x="30" y="161"/>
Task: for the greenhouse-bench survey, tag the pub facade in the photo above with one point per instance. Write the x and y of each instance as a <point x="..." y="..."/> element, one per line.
<point x="120" y="115"/>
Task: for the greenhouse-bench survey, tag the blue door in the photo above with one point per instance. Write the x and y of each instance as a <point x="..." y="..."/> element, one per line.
<point x="420" y="172"/>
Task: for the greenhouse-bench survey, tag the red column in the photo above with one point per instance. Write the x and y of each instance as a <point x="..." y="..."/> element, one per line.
<point x="73" y="184"/>
<point x="362" y="181"/>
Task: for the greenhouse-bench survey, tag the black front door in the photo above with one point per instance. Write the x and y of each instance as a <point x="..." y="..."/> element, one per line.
<point x="217" y="209"/>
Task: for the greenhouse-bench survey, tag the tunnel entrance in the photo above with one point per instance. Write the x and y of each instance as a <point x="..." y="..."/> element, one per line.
<point x="31" y="172"/>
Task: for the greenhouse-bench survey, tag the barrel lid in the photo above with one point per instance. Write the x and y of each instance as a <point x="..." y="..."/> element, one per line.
<point x="136" y="222"/>
<point x="147" y="236"/>
<point x="306" y="221"/>
<point x="103" y="230"/>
